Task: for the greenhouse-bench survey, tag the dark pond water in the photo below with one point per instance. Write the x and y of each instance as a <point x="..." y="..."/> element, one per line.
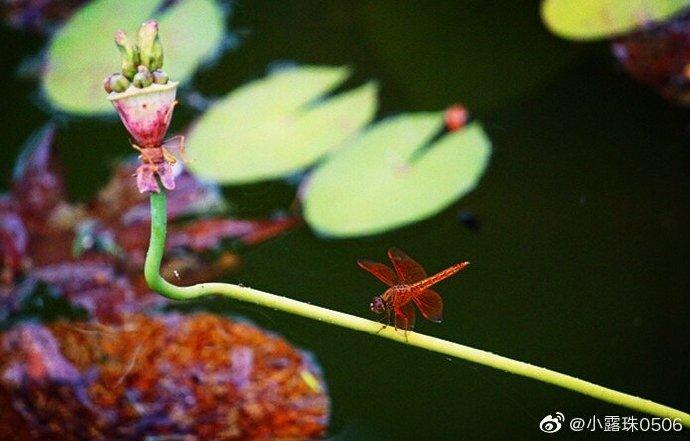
<point x="581" y="262"/>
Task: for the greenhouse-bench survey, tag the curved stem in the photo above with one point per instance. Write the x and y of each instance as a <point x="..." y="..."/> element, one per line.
<point x="157" y="283"/>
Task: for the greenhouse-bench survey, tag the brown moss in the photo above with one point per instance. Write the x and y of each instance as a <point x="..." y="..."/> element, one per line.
<point x="200" y="375"/>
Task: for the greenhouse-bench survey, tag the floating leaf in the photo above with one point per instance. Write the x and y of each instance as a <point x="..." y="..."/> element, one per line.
<point x="82" y="53"/>
<point x="390" y="176"/>
<point x="278" y="125"/>
<point x="599" y="19"/>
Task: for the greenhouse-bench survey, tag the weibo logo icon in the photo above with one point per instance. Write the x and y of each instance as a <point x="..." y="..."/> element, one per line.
<point x="551" y="423"/>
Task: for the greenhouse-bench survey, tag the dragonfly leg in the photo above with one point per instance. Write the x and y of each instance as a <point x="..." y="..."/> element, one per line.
<point x="404" y="322"/>
<point x="387" y="322"/>
<point x="404" y="329"/>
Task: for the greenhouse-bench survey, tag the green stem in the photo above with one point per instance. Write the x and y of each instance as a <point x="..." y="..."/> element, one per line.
<point x="157" y="283"/>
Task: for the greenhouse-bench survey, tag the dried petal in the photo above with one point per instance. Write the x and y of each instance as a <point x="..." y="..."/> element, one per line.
<point x="207" y="234"/>
<point x="43" y="360"/>
<point x="146" y="179"/>
<point x="93" y="286"/>
<point x="270" y="229"/>
<point x="37" y="184"/>
<point x="14" y="243"/>
<point x="657" y="56"/>
<point x="165" y="172"/>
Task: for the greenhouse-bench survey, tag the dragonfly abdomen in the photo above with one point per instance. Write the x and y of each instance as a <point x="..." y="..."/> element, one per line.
<point x="432" y="280"/>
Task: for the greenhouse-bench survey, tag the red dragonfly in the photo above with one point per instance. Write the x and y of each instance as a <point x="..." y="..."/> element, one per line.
<point x="408" y="285"/>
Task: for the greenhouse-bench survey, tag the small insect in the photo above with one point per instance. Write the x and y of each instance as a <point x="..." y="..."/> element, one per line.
<point x="408" y="286"/>
<point x="456" y="117"/>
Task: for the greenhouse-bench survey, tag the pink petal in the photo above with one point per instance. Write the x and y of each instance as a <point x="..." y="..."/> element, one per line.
<point x="165" y="171"/>
<point x="146" y="179"/>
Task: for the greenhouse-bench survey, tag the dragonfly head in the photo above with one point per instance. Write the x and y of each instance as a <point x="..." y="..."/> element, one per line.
<point x="378" y="305"/>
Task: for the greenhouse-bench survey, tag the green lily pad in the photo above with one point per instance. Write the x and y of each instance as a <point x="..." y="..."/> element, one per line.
<point x="278" y="125"/>
<point x="83" y="52"/>
<point x="390" y="176"/>
<point x="599" y="19"/>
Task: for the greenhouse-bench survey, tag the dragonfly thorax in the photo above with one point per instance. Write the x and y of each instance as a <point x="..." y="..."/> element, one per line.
<point x="401" y="289"/>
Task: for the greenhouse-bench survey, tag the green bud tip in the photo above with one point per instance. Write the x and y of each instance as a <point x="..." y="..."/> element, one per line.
<point x="150" y="47"/>
<point x="160" y="77"/>
<point x="121" y="39"/>
<point x="129" y="54"/>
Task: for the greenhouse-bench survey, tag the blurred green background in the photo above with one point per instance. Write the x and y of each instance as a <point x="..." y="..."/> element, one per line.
<point x="581" y="264"/>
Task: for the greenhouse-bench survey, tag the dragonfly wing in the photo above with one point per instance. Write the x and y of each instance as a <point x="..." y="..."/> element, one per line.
<point x="408" y="270"/>
<point x="380" y="271"/>
<point x="404" y="317"/>
<point x="430" y="304"/>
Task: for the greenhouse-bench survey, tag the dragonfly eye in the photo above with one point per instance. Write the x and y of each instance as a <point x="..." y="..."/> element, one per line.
<point x="378" y="305"/>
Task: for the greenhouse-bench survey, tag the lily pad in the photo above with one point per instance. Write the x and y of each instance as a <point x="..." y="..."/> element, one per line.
<point x="278" y="125"/>
<point x="82" y="53"/>
<point x="392" y="176"/>
<point x="599" y="19"/>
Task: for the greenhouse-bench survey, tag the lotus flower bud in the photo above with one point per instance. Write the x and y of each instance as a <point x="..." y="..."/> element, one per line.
<point x="456" y="117"/>
<point x="129" y="53"/>
<point x="143" y="78"/>
<point x="151" y="50"/>
<point x="146" y="110"/>
<point x="116" y="83"/>
<point x="160" y="77"/>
